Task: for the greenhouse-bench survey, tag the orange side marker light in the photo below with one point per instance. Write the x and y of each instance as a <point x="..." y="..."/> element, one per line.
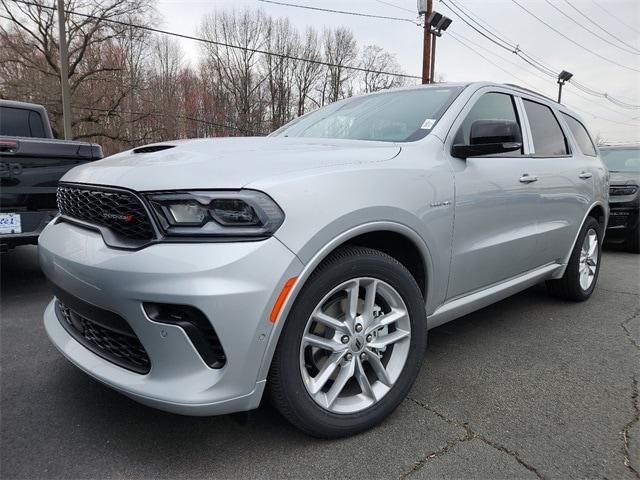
<point x="284" y="293"/>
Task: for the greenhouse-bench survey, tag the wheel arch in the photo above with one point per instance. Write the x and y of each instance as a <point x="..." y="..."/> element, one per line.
<point x="597" y="210"/>
<point x="378" y="235"/>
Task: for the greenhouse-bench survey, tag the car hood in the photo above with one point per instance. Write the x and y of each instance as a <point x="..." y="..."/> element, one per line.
<point x="226" y="162"/>
<point x="624" y="178"/>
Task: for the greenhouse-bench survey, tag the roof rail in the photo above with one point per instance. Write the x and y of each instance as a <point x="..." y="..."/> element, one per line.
<point x="532" y="91"/>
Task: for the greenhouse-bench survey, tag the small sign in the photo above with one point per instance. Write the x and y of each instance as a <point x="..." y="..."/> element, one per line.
<point x="428" y="124"/>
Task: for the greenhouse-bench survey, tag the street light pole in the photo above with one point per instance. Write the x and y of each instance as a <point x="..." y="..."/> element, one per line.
<point x="563" y="77"/>
<point x="437" y="24"/>
<point x="64" y="73"/>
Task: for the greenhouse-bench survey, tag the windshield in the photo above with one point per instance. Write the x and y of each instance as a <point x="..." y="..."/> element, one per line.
<point x="622" y="159"/>
<point x="394" y="116"/>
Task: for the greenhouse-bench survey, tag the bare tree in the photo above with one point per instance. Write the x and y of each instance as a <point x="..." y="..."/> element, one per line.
<point x="340" y="50"/>
<point x="28" y="36"/>
<point x="374" y="60"/>
<point x="237" y="68"/>
<point x="308" y="74"/>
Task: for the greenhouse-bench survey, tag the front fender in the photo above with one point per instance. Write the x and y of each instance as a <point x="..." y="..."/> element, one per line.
<point x="330" y="243"/>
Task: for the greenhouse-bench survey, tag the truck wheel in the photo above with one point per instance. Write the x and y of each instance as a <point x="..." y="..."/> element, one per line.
<point x="352" y="346"/>
<point x="580" y="277"/>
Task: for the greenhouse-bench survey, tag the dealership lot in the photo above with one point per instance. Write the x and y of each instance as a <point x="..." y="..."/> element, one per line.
<point x="530" y="387"/>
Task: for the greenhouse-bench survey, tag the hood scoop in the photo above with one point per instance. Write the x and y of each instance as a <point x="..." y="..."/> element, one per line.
<point x="152" y="148"/>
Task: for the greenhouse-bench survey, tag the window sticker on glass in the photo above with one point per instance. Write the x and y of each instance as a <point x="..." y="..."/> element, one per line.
<point x="428" y="124"/>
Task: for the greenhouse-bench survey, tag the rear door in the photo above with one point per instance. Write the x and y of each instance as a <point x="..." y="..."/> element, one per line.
<point x="565" y="180"/>
<point x="496" y="202"/>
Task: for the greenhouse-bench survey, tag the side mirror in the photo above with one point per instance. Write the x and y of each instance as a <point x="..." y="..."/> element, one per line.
<point x="489" y="137"/>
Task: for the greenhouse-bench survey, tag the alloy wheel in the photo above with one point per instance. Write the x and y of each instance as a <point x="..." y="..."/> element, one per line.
<point x="588" y="263"/>
<point x="355" y="345"/>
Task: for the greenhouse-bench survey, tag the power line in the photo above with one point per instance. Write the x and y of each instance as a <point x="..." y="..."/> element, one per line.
<point x="465" y="42"/>
<point x="222" y="44"/>
<point x="606" y="40"/>
<point x="395" y="6"/>
<point x="342" y="12"/>
<point x="598" y="26"/>
<point x="160" y="114"/>
<point x="573" y="41"/>
<point x="607" y="11"/>
<point x="496" y="37"/>
<point x="497" y="40"/>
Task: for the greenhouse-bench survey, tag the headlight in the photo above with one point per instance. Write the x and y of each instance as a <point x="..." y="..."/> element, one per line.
<point x="242" y="213"/>
<point x="623" y="190"/>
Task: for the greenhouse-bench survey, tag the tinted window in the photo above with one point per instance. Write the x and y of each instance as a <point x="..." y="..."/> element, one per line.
<point x="548" y="138"/>
<point x="621" y="159"/>
<point x="35" y="124"/>
<point x="14" y="122"/>
<point x="582" y="136"/>
<point x="403" y="115"/>
<point x="490" y="106"/>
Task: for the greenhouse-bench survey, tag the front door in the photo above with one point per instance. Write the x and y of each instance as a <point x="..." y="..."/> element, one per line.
<point x="496" y="203"/>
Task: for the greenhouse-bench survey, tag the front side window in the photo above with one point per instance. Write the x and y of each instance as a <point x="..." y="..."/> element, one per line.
<point x="394" y="116"/>
<point x="581" y="135"/>
<point x="548" y="139"/>
<point x="490" y="106"/>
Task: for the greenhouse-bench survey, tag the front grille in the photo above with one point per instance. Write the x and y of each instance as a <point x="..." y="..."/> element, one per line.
<point x="121" y="212"/>
<point x="114" y="341"/>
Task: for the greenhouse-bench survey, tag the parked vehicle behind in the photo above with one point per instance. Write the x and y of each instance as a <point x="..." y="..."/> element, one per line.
<point x="623" y="163"/>
<point x="31" y="163"/>
<point x="193" y="275"/>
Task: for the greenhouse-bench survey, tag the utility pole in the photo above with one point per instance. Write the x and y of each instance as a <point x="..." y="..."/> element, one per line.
<point x="64" y="73"/>
<point x="432" y="70"/>
<point x="425" y="7"/>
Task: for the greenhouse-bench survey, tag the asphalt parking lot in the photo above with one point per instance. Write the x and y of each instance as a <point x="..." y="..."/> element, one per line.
<point x="529" y="387"/>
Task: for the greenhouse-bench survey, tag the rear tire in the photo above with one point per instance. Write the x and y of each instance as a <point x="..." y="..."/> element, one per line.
<point x="326" y="376"/>
<point x="580" y="277"/>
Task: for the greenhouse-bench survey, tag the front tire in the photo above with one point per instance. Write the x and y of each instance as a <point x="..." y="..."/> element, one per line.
<point x="580" y="277"/>
<point x="352" y="346"/>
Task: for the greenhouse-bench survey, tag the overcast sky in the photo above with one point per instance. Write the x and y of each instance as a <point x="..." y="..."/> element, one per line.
<point x="459" y="63"/>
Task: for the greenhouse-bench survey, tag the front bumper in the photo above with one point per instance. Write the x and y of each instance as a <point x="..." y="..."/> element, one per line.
<point x="623" y="220"/>
<point x="234" y="284"/>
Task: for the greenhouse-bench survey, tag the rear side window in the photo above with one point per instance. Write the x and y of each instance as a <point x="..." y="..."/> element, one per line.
<point x="548" y="139"/>
<point x="14" y="122"/>
<point x="19" y="122"/>
<point x="581" y="135"/>
<point x="35" y="125"/>
<point x="490" y="106"/>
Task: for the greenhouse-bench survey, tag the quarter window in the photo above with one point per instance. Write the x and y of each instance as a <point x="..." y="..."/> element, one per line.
<point x="581" y="135"/>
<point x="490" y="106"/>
<point x="548" y="139"/>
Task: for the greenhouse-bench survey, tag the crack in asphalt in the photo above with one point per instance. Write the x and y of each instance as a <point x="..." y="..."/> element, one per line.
<point x="627" y="332"/>
<point x="470" y="434"/>
<point x="618" y="292"/>
<point x="628" y="426"/>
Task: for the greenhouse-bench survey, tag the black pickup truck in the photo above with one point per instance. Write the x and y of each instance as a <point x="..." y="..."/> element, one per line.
<point x="31" y="163"/>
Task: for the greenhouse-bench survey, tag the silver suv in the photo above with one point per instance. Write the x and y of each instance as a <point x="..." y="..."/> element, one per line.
<point x="193" y="275"/>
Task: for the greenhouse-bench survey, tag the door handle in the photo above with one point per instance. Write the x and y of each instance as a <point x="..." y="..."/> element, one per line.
<point x="585" y="175"/>
<point x="526" y="178"/>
